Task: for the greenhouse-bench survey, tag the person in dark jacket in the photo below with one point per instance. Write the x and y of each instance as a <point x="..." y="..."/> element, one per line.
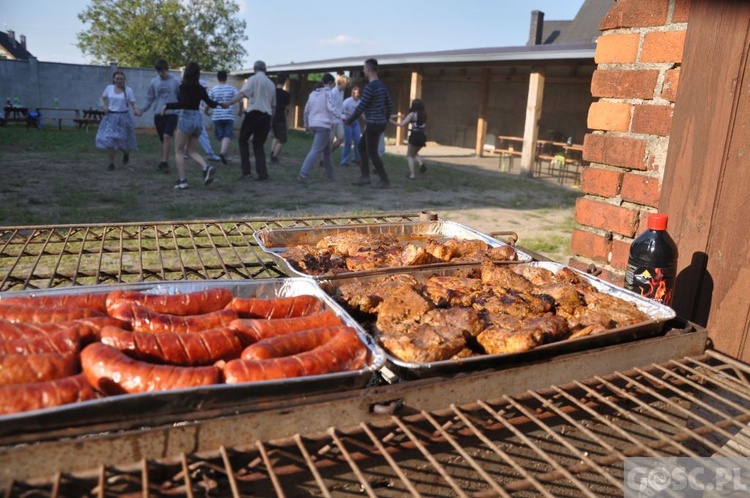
<point x="377" y="106"/>
<point x="190" y="125"/>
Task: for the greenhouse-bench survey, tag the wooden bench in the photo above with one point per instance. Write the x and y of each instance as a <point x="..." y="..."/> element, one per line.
<point x="508" y="148"/>
<point x="90" y="117"/>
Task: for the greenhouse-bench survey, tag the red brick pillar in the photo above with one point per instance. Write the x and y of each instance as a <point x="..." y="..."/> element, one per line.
<point x="638" y="58"/>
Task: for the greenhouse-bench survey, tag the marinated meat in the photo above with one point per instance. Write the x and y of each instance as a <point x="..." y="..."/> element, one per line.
<point x="501" y="253"/>
<point x="401" y="309"/>
<point x="350" y="243"/>
<point x="517" y="337"/>
<point x="453" y="249"/>
<point x="568" y="301"/>
<point x="414" y="255"/>
<point x="452" y="291"/>
<point x="513" y="303"/>
<point x="537" y="275"/>
<point x="366" y="296"/>
<point x="424" y="343"/>
<point x="504" y="277"/>
<point x="466" y="320"/>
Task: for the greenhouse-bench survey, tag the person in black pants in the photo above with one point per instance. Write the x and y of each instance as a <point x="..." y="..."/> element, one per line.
<point x="260" y="92"/>
<point x="376" y="104"/>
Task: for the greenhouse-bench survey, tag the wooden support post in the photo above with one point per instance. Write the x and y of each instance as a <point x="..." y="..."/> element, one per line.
<point x="484" y="95"/>
<point x="531" y="128"/>
<point x="301" y="79"/>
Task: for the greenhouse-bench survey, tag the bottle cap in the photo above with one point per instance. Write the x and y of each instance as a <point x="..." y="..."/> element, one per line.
<point x="657" y="221"/>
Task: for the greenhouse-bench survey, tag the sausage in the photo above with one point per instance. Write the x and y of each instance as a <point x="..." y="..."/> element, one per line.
<point x="189" y="348"/>
<point x="289" y="344"/>
<point x="92" y="300"/>
<point x="65" y="341"/>
<point x="88" y="328"/>
<point x="35" y="396"/>
<point x="255" y="329"/>
<point x="280" y="307"/>
<point x="344" y="352"/>
<point x="36" y="367"/>
<point x="19" y="313"/>
<point x="113" y="372"/>
<point x="145" y="320"/>
<point x="191" y="303"/>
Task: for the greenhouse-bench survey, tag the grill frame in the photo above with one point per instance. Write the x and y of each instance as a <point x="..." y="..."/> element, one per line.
<point x="407" y="438"/>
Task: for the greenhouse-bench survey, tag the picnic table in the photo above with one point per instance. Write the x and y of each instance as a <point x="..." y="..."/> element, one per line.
<point x="59" y="114"/>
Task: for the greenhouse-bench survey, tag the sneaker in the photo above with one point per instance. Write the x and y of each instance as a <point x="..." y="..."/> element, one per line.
<point x="363" y="180"/>
<point x="163" y="167"/>
<point x="181" y="185"/>
<point x="273" y="160"/>
<point x="383" y="184"/>
<point x="303" y="180"/>
<point x="125" y="158"/>
<point x="111" y="166"/>
<point x="422" y="168"/>
<point x="208" y="175"/>
<point x="214" y="158"/>
<point x="223" y="159"/>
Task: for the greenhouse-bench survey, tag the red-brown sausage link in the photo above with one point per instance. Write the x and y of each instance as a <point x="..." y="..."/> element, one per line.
<point x="280" y="307"/>
<point x="113" y="372"/>
<point x="255" y="329"/>
<point x="18" y="313"/>
<point x="144" y="320"/>
<point x="344" y="352"/>
<point x="88" y="328"/>
<point x="289" y="344"/>
<point x="92" y="300"/>
<point x="24" y="397"/>
<point x="188" y="348"/>
<point x="191" y="303"/>
<point x="65" y="341"/>
<point x="36" y="367"/>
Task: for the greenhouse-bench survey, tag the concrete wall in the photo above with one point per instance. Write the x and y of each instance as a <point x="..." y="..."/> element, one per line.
<point x="37" y="84"/>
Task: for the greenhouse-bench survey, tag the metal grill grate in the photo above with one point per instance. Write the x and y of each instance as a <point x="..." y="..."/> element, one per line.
<point x="566" y="440"/>
<point x="43" y="257"/>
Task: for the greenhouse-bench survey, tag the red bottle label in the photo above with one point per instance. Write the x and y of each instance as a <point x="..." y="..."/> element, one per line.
<point x="651" y="282"/>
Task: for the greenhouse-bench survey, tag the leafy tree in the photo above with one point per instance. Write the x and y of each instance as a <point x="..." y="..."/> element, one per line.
<point x="136" y="32"/>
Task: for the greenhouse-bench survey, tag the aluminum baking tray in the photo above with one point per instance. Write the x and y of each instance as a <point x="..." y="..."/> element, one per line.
<point x="398" y="369"/>
<point x="135" y="410"/>
<point x="275" y="241"/>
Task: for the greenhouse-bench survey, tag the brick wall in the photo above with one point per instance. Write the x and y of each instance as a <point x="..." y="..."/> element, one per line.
<point x="638" y="61"/>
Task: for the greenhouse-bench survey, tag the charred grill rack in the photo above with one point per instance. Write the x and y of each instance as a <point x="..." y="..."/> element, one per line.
<point x="558" y="427"/>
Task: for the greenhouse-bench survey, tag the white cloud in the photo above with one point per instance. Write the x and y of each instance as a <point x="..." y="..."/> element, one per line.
<point x="344" y="40"/>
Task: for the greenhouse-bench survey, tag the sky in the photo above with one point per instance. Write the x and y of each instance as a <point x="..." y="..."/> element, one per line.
<point x="284" y="31"/>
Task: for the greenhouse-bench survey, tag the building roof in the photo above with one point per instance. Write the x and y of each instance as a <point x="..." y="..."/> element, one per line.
<point x="16" y="49"/>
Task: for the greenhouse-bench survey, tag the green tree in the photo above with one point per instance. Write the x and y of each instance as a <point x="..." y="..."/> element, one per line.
<point x="136" y="32"/>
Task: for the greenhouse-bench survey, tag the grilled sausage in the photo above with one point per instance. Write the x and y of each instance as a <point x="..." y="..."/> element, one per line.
<point x="189" y="348"/>
<point x="88" y="328"/>
<point x="145" y="320"/>
<point x="255" y="329"/>
<point x="344" y="352"/>
<point x="65" y="341"/>
<point x="18" y="313"/>
<point x="289" y="344"/>
<point x="35" y="396"/>
<point x="280" y="307"/>
<point x="91" y="300"/>
<point x="191" y="303"/>
<point x="113" y="372"/>
<point x="36" y="367"/>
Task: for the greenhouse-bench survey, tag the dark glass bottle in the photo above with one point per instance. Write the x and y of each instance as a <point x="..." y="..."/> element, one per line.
<point x="653" y="262"/>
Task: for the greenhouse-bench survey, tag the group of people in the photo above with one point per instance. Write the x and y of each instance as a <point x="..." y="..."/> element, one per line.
<point x="331" y="118"/>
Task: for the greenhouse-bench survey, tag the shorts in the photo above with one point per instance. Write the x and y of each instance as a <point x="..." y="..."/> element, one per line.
<point x="191" y="122"/>
<point x="337" y="130"/>
<point x="417" y="138"/>
<point x="279" y="131"/>
<point x="165" y="125"/>
<point x="223" y="128"/>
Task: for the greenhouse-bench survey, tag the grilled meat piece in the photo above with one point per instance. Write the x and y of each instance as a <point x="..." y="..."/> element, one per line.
<point x="350" y="243"/>
<point x="502" y="253"/>
<point x="313" y="261"/>
<point x="366" y="295"/>
<point x="514" y="303"/>
<point x="401" y="309"/>
<point x="466" y="320"/>
<point x="537" y="275"/>
<point x="425" y="343"/>
<point x="371" y="259"/>
<point x="413" y="255"/>
<point x="502" y="276"/>
<point x="456" y="249"/>
<point x="514" y="336"/>
<point x="568" y="301"/>
<point x="452" y="291"/>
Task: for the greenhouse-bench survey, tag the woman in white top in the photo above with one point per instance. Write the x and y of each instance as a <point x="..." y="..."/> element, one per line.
<point x="417" y="118"/>
<point x="319" y="115"/>
<point x="116" y="130"/>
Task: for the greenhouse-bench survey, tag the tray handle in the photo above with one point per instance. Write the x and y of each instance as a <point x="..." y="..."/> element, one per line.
<point x="511" y="240"/>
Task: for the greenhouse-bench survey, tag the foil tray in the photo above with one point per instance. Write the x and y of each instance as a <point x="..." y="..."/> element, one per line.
<point x="396" y="369"/>
<point x="274" y="241"/>
<point x="136" y="410"/>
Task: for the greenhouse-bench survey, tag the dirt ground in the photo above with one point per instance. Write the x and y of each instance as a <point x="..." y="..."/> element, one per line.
<point x="76" y="188"/>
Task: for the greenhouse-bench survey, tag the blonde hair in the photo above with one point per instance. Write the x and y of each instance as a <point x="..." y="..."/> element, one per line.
<point x="342" y="79"/>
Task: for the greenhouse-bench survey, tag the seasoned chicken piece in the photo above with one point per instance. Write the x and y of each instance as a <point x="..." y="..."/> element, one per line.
<point x="455" y="249"/>
<point x="567" y="276"/>
<point x="464" y="319"/>
<point x="502" y="253"/>
<point x="311" y="260"/>
<point x="401" y="309"/>
<point x="535" y="274"/>
<point x="497" y="339"/>
<point x="424" y="343"/>
<point x="502" y="276"/>
<point x="568" y="300"/>
<point x="519" y="304"/>
<point x="349" y="243"/>
<point x="452" y="291"/>
<point x="366" y="295"/>
<point x="590" y="321"/>
<point x="413" y="255"/>
<point x="370" y="260"/>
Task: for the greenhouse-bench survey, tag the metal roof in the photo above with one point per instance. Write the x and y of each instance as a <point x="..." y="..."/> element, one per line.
<point x="522" y="54"/>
